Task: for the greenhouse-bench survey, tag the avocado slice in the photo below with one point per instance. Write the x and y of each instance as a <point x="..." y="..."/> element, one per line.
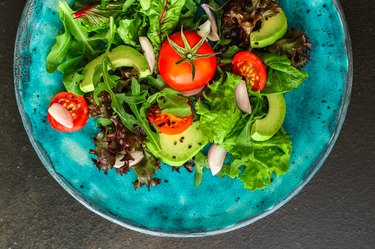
<point x="263" y="129"/>
<point x="272" y="29"/>
<point x="121" y="56"/>
<point x="178" y="149"/>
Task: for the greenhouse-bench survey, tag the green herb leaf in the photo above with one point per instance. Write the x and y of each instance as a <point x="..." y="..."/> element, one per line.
<point x="71" y="83"/>
<point x="269" y="157"/>
<point x="201" y="162"/>
<point x="58" y="51"/>
<point x="170" y="101"/>
<point x="141" y="117"/>
<point x="163" y="17"/>
<point x="117" y="101"/>
<point x="129" y="30"/>
<point x="281" y="75"/>
<point x="222" y="114"/>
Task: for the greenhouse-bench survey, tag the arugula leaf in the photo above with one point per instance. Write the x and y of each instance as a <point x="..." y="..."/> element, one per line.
<point x="141" y="116"/>
<point x="201" y="162"/>
<point x="188" y="15"/>
<point x="222" y="114"/>
<point x="229" y="53"/>
<point x="77" y="29"/>
<point x="71" y="83"/>
<point x="163" y="17"/>
<point x="117" y="101"/>
<point x="281" y="75"/>
<point x="170" y="101"/>
<point x="58" y="51"/>
<point x="157" y="82"/>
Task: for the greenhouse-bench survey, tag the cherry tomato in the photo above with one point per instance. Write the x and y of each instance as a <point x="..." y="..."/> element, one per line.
<point x="168" y="123"/>
<point x="77" y="107"/>
<point x="179" y="75"/>
<point x="249" y="66"/>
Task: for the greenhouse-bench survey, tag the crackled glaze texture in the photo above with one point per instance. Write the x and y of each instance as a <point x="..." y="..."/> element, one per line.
<point x="176" y="207"/>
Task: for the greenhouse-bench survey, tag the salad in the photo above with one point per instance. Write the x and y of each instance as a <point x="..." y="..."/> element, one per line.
<point x="180" y="83"/>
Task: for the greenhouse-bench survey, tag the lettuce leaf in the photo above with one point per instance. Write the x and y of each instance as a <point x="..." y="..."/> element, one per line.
<point x="251" y="162"/>
<point x="219" y="113"/>
<point x="268" y="157"/>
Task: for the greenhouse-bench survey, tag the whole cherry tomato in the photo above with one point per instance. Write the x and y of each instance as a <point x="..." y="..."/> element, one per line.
<point x="186" y="61"/>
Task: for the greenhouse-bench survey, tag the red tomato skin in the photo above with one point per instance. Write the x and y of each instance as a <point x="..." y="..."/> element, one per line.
<point x="81" y="110"/>
<point x="161" y="120"/>
<point x="248" y="58"/>
<point x="180" y="76"/>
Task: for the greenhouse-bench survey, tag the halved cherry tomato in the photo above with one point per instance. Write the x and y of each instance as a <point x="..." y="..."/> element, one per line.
<point x="176" y="69"/>
<point x="168" y="123"/>
<point x="77" y="107"/>
<point x="249" y="66"/>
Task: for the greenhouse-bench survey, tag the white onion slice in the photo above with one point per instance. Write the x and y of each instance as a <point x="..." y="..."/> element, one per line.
<point x="204" y="29"/>
<point x="213" y="35"/>
<point x="61" y="115"/>
<point x="192" y="92"/>
<point x="148" y="52"/>
<point x="137" y="155"/>
<point x="216" y="157"/>
<point x="242" y="98"/>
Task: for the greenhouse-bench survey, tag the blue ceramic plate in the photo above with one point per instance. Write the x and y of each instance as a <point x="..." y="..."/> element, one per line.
<point x="315" y="114"/>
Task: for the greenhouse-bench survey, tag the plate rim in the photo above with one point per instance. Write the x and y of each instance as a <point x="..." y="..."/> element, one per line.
<point x="345" y="101"/>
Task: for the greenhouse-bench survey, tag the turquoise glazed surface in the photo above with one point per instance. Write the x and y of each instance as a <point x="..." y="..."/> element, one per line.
<point x="176" y="207"/>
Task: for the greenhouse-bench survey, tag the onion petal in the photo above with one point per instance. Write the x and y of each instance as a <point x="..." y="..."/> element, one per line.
<point x="192" y="92"/>
<point x="148" y="52"/>
<point x="137" y="155"/>
<point x="204" y="29"/>
<point x="61" y="115"/>
<point x="213" y="35"/>
<point x="216" y="157"/>
<point x="242" y="98"/>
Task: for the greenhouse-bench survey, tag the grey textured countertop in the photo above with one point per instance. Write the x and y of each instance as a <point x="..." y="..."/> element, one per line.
<point x="335" y="210"/>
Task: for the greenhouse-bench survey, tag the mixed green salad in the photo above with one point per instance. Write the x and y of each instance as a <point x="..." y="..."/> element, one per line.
<point x="188" y="83"/>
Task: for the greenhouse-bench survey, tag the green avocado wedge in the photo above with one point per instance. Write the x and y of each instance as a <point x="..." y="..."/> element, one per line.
<point x="178" y="149"/>
<point x="272" y="29"/>
<point x="263" y="129"/>
<point x="121" y="56"/>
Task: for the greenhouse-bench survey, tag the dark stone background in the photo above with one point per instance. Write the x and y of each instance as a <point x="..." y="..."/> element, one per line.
<point x="335" y="210"/>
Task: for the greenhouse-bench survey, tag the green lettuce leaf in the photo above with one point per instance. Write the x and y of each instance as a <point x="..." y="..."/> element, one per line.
<point x="132" y="27"/>
<point x="77" y="44"/>
<point x="269" y="157"/>
<point x="219" y="113"/>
